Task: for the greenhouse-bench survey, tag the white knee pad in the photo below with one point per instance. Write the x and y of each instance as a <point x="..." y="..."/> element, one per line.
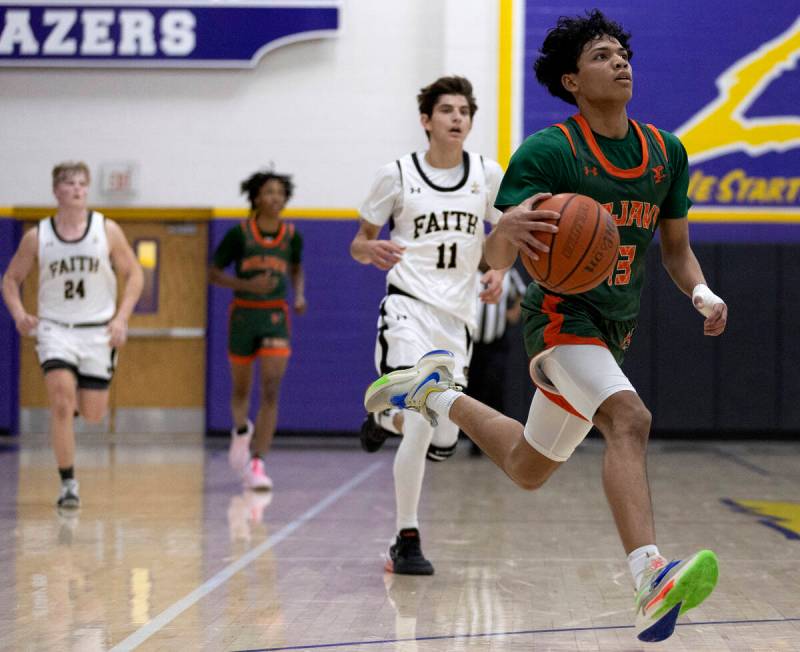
<point x="443" y="443"/>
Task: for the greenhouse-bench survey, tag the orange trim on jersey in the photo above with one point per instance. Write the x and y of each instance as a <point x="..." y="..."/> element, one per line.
<point x="241" y="359"/>
<point x="561" y="402"/>
<point x="275" y="352"/>
<point x="552" y="332"/>
<point x="268" y="244"/>
<point x="569" y="138"/>
<point x="253" y="303"/>
<point x="660" y="139"/>
<point x="608" y="166"/>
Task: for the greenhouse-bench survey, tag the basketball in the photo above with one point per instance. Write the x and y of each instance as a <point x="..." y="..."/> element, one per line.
<point x="582" y="253"/>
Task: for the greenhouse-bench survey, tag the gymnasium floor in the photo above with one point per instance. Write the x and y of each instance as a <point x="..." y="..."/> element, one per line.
<point x="168" y="553"/>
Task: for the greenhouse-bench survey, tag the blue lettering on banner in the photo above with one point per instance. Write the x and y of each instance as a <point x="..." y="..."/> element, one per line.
<point x="155" y="34"/>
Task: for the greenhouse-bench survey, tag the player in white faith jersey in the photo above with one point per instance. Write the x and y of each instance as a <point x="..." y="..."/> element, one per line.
<point x="78" y="325"/>
<point x="436" y="203"/>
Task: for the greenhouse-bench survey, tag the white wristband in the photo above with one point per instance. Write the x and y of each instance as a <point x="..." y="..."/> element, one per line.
<point x="704" y="299"/>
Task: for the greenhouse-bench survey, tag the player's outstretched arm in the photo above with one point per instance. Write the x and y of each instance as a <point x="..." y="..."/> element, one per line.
<point x="368" y="250"/>
<point x="684" y="269"/>
<point x="125" y="262"/>
<point x="18" y="270"/>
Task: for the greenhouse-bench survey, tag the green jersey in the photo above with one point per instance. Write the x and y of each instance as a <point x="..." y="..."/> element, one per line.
<point x="638" y="179"/>
<point x="255" y="252"/>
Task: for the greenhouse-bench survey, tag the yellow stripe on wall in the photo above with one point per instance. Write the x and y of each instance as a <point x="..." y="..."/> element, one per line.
<point x="505" y="49"/>
<point x="721" y="215"/>
<point x="293" y="213"/>
<point x="174" y="214"/>
<point x="739" y="215"/>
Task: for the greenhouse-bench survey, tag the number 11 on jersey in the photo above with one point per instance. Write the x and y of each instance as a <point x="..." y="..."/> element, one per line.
<point x="451" y="264"/>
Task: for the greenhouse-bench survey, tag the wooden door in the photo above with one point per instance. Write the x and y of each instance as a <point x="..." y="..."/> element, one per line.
<point x="159" y="384"/>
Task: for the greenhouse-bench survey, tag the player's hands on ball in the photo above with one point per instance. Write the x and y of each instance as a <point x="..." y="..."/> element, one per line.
<point x="118" y="332"/>
<point x="384" y="254"/>
<point x="519" y="224"/>
<point x="26" y="323"/>
<point x="492" y="282"/>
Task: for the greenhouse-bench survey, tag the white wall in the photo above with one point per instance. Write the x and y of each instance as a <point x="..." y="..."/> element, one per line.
<point x="329" y="111"/>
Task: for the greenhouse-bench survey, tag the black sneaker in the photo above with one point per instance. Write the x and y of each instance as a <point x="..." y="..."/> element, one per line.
<point x="372" y="435"/>
<point x="405" y="555"/>
<point x="68" y="498"/>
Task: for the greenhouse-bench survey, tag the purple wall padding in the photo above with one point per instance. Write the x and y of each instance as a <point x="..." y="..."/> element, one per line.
<point x="332" y="344"/>
<point x="10" y="233"/>
<point x="744" y="232"/>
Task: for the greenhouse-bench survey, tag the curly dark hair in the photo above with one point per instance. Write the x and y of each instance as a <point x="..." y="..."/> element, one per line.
<point x="564" y="44"/>
<point x="253" y="184"/>
<point x="454" y="85"/>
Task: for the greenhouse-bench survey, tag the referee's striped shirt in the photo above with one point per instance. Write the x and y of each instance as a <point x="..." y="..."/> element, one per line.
<point x="492" y="316"/>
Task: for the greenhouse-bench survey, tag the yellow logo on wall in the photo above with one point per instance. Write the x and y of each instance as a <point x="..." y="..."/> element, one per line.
<point x="722" y="128"/>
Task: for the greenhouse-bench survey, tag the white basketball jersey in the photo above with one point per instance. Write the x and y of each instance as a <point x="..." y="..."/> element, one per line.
<point x="77" y="284"/>
<point x="442" y="230"/>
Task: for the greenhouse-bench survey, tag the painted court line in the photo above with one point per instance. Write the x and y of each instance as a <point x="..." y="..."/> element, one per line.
<point x="737" y="459"/>
<point x="528" y="632"/>
<point x="170" y="614"/>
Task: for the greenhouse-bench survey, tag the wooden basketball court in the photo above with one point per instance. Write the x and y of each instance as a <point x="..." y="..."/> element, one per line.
<point x="168" y="553"/>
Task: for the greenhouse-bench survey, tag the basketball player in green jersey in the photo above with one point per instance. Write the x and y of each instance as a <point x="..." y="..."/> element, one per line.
<point x="267" y="255"/>
<point x="640" y="174"/>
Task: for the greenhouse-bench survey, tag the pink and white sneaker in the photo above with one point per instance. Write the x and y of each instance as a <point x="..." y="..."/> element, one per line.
<point x="239" y="450"/>
<point x="255" y="477"/>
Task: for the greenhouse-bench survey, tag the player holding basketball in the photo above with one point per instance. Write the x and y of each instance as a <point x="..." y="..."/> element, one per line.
<point x="78" y="325"/>
<point x="436" y="203"/>
<point x="577" y="342"/>
<point x="267" y="255"/>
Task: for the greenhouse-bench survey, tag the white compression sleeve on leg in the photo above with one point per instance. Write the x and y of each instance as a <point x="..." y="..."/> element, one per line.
<point x="409" y="468"/>
<point x="704" y="299"/>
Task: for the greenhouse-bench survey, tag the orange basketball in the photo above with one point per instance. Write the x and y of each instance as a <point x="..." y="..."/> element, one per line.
<point x="583" y="252"/>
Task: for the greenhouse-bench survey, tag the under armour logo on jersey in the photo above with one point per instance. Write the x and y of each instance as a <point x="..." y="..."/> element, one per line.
<point x="415" y="189"/>
<point x="589" y="170"/>
<point x="475" y="189"/>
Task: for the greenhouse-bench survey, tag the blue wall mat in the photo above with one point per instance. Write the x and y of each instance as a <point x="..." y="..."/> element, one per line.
<point x="332" y="344"/>
<point x="10" y="233"/>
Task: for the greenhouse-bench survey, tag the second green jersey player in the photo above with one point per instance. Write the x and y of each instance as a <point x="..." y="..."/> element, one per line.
<point x="266" y="255"/>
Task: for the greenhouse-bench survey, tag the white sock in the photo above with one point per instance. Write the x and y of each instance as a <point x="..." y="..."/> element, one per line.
<point x="441" y="402"/>
<point x="409" y="468"/>
<point x="639" y="560"/>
